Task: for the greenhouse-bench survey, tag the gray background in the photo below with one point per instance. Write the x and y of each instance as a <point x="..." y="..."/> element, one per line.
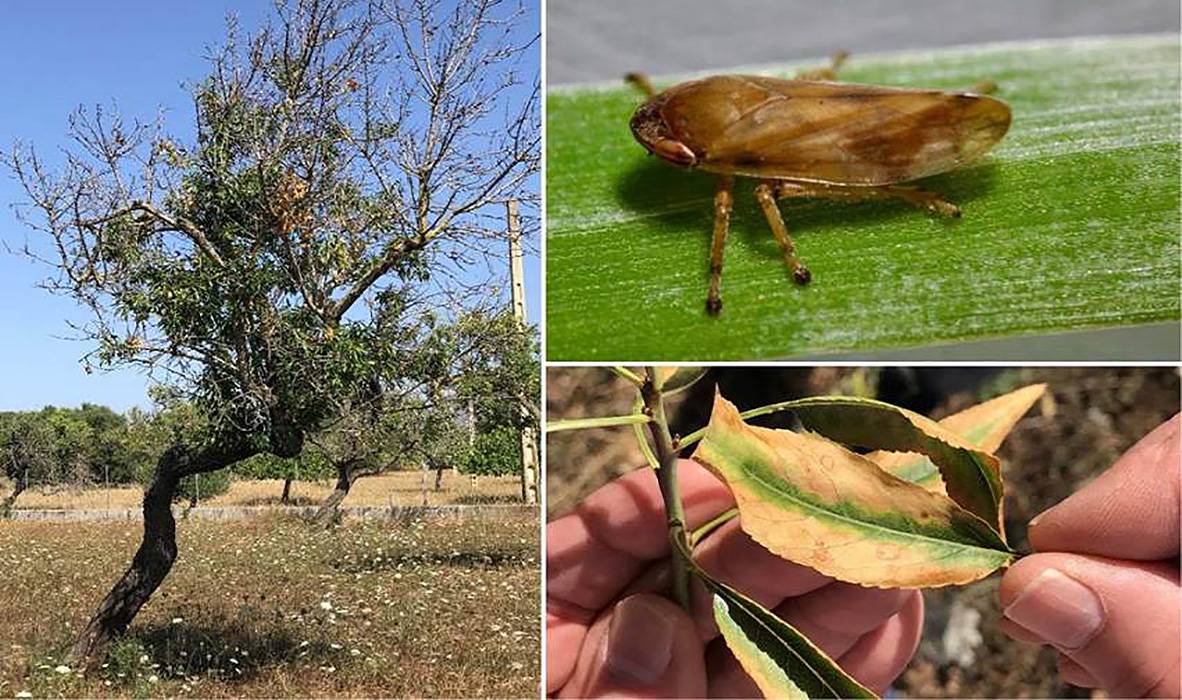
<point x="593" y="40"/>
<point x="601" y="40"/>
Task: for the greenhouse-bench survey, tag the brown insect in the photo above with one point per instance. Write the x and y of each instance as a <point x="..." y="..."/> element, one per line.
<point x="811" y="137"/>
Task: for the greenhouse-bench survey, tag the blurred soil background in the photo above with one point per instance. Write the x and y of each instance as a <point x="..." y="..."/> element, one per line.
<point x="1087" y="419"/>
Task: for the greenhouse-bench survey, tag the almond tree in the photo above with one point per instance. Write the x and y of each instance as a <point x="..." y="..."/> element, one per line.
<point x="418" y="410"/>
<point x="27" y="454"/>
<point x="346" y="166"/>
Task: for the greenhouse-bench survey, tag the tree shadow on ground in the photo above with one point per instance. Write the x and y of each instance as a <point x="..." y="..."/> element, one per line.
<point x="486" y="558"/>
<point x="486" y="499"/>
<point x="278" y="501"/>
<point x="233" y="649"/>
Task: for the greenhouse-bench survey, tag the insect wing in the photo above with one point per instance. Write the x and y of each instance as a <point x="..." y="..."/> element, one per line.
<point x="852" y="134"/>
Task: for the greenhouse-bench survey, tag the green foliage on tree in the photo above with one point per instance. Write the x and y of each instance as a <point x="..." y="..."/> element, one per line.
<point x="495" y="453"/>
<point x="54" y="447"/>
<point x="310" y="465"/>
<point x="27" y="452"/>
<point x="199" y="487"/>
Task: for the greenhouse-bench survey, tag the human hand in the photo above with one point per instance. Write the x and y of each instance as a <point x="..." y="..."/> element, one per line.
<point x="608" y="633"/>
<point x="1103" y="588"/>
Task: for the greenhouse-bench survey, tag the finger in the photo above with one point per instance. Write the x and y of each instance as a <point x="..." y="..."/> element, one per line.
<point x="595" y="551"/>
<point x="1018" y="632"/>
<point x="725" y="675"/>
<point x="1117" y="620"/>
<point x="845" y="608"/>
<point x="564" y="637"/>
<point x="1128" y="512"/>
<point x="644" y="646"/>
<point x="878" y="658"/>
<point x="593" y="554"/>
<point x="1075" y="674"/>
<point x="837" y="616"/>
<point x="731" y="556"/>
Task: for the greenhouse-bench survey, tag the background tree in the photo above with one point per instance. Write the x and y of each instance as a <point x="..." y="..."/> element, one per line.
<point x="310" y="465"/>
<point x="110" y="462"/>
<point x="501" y="385"/>
<point x="28" y="452"/>
<point x="398" y="421"/>
<point x="344" y="150"/>
<point x="57" y="447"/>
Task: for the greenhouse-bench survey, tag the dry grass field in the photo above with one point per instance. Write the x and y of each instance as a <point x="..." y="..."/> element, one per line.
<point x="396" y="488"/>
<point x="273" y="607"/>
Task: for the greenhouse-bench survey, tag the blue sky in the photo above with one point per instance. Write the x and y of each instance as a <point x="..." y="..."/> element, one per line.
<point x="56" y="56"/>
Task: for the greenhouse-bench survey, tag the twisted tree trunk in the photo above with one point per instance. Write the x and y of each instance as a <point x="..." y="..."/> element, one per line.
<point x="17" y="489"/>
<point x="19" y="485"/>
<point x="157" y="551"/>
<point x="348" y="472"/>
<point x="344" y="482"/>
<point x="151" y="564"/>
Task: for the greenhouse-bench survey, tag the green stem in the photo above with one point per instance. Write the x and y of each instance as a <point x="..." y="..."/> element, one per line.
<point x="628" y="374"/>
<point x="597" y="422"/>
<point x="641" y="441"/>
<point x="667" y="479"/>
<point x="718" y="521"/>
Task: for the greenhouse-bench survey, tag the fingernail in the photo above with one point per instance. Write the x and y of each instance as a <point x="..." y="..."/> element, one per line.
<point x="1062" y="611"/>
<point x="639" y="641"/>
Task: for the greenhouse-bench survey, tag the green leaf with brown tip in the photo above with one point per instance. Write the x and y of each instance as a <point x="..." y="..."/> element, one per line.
<point x="985" y="426"/>
<point x="972" y="477"/>
<point x="781" y="660"/>
<point x="810" y="500"/>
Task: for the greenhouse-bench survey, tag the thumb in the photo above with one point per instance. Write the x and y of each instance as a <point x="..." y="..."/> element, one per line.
<point x="643" y="646"/>
<point x="1115" y="622"/>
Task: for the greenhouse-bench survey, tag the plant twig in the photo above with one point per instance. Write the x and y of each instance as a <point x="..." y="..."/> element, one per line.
<point x="627" y="374"/>
<point x="667" y="479"/>
<point x="596" y="422"/>
<point x="718" y="521"/>
<point x="641" y="441"/>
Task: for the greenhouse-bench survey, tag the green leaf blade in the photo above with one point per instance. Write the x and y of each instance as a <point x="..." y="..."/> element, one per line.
<point x="972" y="477"/>
<point x="781" y="661"/>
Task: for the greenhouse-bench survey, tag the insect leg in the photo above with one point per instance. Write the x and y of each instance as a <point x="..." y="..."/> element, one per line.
<point x="723" y="202"/>
<point x="765" y="193"/>
<point x="924" y="199"/>
<point x="827" y="73"/>
<point x="641" y="82"/>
